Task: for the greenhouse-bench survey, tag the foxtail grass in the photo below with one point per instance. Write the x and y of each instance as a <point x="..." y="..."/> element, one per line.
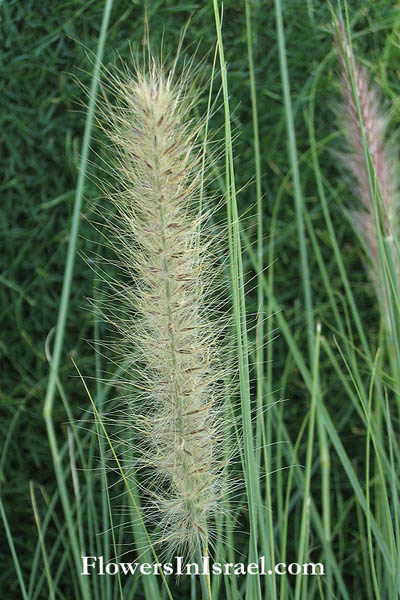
<point x="167" y="328"/>
<point x="369" y="159"/>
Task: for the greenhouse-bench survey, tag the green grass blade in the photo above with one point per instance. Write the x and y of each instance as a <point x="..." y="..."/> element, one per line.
<point x="64" y="302"/>
<point x="251" y="471"/>
<point x="299" y="202"/>
<point x="13" y="551"/>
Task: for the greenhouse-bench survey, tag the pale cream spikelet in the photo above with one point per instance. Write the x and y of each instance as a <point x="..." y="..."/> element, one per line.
<point x="175" y="418"/>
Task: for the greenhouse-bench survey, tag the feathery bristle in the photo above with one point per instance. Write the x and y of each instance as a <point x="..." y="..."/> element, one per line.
<point x="374" y="124"/>
<point x="175" y="344"/>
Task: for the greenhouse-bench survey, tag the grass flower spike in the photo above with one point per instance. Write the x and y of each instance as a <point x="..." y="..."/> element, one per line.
<point x="374" y="126"/>
<point x="169" y="333"/>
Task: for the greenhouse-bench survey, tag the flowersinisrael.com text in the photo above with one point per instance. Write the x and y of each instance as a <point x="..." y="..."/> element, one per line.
<point x="96" y="565"/>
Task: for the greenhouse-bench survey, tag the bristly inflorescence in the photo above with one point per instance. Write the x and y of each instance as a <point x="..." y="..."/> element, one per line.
<point x="176" y="419"/>
<point x="374" y="125"/>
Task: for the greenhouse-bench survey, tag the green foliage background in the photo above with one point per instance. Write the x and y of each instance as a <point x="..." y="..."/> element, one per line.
<point x="47" y="56"/>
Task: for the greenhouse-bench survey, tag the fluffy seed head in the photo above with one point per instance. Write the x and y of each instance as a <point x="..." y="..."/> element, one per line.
<point x="375" y="125"/>
<point x="175" y="419"/>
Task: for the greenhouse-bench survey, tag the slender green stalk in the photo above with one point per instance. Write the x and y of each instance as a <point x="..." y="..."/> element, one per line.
<point x="64" y="302"/>
<point x="69" y="266"/>
<point x="106" y="515"/>
<point x="13" y="551"/>
<point x="260" y="429"/>
<point x="42" y="544"/>
<point x="303" y="544"/>
<point x="205" y="581"/>
<point x="325" y="485"/>
<point x="251" y="471"/>
<point x="260" y="216"/>
<point x="367" y="485"/>
<point x="286" y="511"/>
<point x="299" y="202"/>
<point x="110" y="519"/>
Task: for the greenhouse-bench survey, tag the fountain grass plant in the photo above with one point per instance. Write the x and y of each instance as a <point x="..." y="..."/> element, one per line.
<point x="316" y="342"/>
<point x="168" y="333"/>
